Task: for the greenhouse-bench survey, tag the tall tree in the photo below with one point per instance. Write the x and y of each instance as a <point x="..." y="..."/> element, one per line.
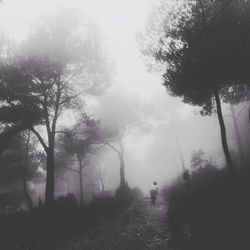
<point x="204" y="47"/>
<point x="60" y="62"/>
<point x="119" y="116"/>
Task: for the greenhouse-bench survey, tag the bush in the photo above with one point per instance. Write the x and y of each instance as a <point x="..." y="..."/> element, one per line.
<point x="104" y="204"/>
<point x="126" y="195"/>
<point x="215" y="205"/>
<point x="67" y="201"/>
<point x="64" y="220"/>
<point x="136" y="193"/>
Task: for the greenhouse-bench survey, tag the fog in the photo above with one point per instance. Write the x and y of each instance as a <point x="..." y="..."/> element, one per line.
<point x="136" y="96"/>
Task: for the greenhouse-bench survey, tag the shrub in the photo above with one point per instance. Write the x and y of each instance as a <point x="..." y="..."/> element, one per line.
<point x="216" y="205"/>
<point x="125" y="195"/>
<point x="66" y="219"/>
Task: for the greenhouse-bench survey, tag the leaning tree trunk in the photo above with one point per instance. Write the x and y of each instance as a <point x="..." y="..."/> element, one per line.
<point x="237" y="134"/>
<point x="120" y="154"/>
<point x="49" y="191"/>
<point x="223" y="132"/>
<point x="180" y="152"/>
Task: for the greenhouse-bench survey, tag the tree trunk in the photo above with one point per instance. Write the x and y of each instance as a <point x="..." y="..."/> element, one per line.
<point x="102" y="184"/>
<point x="180" y="152"/>
<point x="26" y="192"/>
<point x="50" y="164"/>
<point x="24" y="182"/>
<point x="49" y="191"/>
<point x="223" y="133"/>
<point x="249" y="113"/>
<point x="81" y="181"/>
<point x="237" y="134"/>
<point x="101" y="181"/>
<point x="122" y="172"/>
<point x="122" y="165"/>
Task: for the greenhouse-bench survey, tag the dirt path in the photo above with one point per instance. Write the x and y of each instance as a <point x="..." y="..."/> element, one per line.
<point x="141" y="226"/>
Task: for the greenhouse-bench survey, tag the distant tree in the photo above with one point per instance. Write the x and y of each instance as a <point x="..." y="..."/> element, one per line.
<point x="59" y="63"/>
<point x="79" y="148"/>
<point x="23" y="162"/>
<point x="113" y="138"/>
<point x="8" y="132"/>
<point x="81" y="142"/>
<point x="119" y="118"/>
<point x="237" y="132"/>
<point x="100" y="177"/>
<point x="20" y="161"/>
<point x="204" y="47"/>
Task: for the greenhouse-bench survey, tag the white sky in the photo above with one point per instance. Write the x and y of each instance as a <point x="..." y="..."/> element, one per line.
<point x="118" y="20"/>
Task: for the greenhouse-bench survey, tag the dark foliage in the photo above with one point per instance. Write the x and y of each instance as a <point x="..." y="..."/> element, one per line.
<point x="214" y="51"/>
<point x="204" y="46"/>
<point x="212" y="212"/>
<point x="124" y="194"/>
<point x="62" y="222"/>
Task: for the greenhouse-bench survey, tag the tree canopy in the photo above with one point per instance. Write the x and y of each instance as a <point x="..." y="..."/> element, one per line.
<point x="204" y="47"/>
<point x="60" y="62"/>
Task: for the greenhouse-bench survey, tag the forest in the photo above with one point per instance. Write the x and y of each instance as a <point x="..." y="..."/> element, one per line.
<point x="124" y="124"/>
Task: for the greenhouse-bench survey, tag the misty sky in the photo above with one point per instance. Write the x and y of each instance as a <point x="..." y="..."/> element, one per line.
<point x="153" y="155"/>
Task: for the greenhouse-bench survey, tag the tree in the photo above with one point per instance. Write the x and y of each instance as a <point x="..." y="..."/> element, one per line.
<point x="8" y="133"/>
<point x="114" y="137"/>
<point x="119" y="116"/>
<point x="236" y="129"/>
<point x="204" y="48"/>
<point x="23" y="160"/>
<point x="81" y="142"/>
<point x="79" y="148"/>
<point x="59" y="63"/>
<point x="20" y="161"/>
<point x="100" y="177"/>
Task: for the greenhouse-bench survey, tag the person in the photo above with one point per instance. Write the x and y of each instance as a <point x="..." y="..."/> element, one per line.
<point x="154" y="192"/>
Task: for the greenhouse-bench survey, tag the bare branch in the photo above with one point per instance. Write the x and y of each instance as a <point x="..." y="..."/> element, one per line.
<point x="69" y="98"/>
<point x="40" y="139"/>
<point x="113" y="147"/>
